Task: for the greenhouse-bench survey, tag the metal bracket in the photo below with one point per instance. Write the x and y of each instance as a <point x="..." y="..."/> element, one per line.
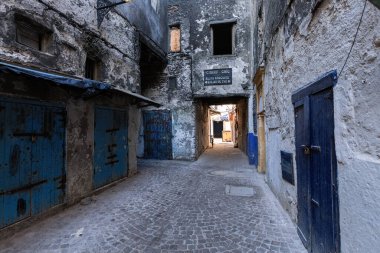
<point x="104" y="6"/>
<point x="102" y="12"/>
<point x="23" y="188"/>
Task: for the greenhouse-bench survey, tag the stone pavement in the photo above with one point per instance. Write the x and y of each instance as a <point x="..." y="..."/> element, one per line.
<point x="217" y="204"/>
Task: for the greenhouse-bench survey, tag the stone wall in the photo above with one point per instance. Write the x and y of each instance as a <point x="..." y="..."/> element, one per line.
<point x="313" y="38"/>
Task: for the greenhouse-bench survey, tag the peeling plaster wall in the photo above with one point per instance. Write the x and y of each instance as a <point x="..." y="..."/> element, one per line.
<point x="203" y="12"/>
<point x="150" y="18"/>
<point x="79" y="149"/>
<point x="314" y="38"/>
<point x="134" y="120"/>
<point x="114" y="43"/>
<point x="82" y="11"/>
<point x="178" y="99"/>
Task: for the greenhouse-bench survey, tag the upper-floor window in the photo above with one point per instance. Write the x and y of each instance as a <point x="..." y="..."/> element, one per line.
<point x="223" y="38"/>
<point x="93" y="69"/>
<point x="33" y="36"/>
<point x="175" y="38"/>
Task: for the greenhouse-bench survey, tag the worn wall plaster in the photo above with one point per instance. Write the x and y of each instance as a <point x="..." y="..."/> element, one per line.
<point x="314" y="38"/>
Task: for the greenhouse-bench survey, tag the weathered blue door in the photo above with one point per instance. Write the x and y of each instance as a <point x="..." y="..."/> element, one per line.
<point x="32" y="172"/>
<point x="157" y="134"/>
<point x="318" y="212"/>
<point x="111" y="146"/>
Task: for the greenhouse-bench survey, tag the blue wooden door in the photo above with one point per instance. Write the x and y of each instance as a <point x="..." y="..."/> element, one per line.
<point x="48" y="170"/>
<point x="318" y="212"/>
<point x="31" y="159"/>
<point x="303" y="169"/>
<point x="157" y="134"/>
<point x="111" y="146"/>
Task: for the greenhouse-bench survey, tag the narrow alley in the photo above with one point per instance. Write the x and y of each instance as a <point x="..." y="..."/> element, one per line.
<point x="216" y="204"/>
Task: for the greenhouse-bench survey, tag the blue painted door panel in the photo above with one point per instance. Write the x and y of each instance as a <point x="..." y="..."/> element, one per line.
<point x="303" y="170"/>
<point x="48" y="158"/>
<point x="31" y="156"/>
<point x="15" y="162"/>
<point x="318" y="212"/>
<point x="111" y="146"/>
<point x="157" y="134"/>
<point x="323" y="182"/>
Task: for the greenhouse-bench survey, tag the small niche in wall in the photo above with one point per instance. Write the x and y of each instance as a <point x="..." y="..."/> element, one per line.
<point x="287" y="167"/>
<point x="93" y="68"/>
<point x="33" y="35"/>
<point x="172" y="82"/>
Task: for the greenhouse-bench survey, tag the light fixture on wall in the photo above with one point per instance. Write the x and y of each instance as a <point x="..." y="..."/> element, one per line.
<point x="104" y="6"/>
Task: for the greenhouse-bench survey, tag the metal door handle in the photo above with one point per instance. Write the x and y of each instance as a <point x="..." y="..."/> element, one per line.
<point x="315" y="148"/>
<point x="306" y="149"/>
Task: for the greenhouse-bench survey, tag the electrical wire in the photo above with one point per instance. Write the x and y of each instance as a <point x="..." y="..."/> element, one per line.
<point x="354" y="41"/>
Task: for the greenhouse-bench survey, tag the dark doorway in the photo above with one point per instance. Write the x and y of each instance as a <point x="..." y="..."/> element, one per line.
<point x="318" y="211"/>
<point x="152" y="68"/>
<point x="218" y="129"/>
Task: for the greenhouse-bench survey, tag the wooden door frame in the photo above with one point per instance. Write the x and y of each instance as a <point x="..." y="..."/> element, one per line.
<point x="258" y="80"/>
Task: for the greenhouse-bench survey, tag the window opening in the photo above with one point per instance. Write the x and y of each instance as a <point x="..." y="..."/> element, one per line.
<point x="222" y="38"/>
<point x="92" y="69"/>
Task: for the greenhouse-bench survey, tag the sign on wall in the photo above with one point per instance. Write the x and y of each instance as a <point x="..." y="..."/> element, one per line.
<point x="287" y="167"/>
<point x="217" y="77"/>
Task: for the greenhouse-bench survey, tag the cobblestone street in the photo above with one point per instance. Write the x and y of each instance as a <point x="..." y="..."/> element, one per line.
<point x="217" y="204"/>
